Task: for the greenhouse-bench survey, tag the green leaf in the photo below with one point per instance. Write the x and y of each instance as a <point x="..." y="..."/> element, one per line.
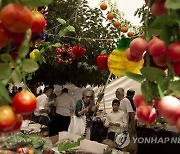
<point x="4" y="92"/>
<point x="56" y="45"/>
<point x="70" y="28"/>
<point x="29" y="65"/>
<point x="103" y="52"/>
<point x="136" y="77"/>
<point x="123" y="43"/>
<point x="61" y="21"/>
<point x="24" y="49"/>
<point x="146" y="91"/>
<point x="36" y="3"/>
<point x="5" y="71"/>
<point x="45" y="44"/>
<point x="16" y="76"/>
<point x="153" y="74"/>
<point x="62" y="33"/>
<point x="6" y="57"/>
<point x="175" y="87"/>
<point x="172" y="4"/>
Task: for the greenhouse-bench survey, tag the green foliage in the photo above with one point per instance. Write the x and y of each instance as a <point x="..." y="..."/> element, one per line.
<point x="172" y="4"/>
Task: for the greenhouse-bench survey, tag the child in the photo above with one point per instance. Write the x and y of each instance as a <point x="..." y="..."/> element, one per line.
<point x="115" y="120"/>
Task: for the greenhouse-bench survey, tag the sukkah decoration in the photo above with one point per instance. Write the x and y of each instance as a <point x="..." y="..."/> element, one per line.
<point x="78" y="51"/>
<point x="37" y="39"/>
<point x="33" y="54"/>
<point x="64" y="55"/>
<point x="102" y="60"/>
<point x="118" y="62"/>
<point x="38" y="34"/>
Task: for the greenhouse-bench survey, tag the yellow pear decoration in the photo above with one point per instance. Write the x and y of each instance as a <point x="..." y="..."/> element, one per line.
<point x="32" y="55"/>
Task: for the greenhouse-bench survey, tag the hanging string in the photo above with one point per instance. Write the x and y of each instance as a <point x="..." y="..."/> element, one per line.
<point x="85" y="38"/>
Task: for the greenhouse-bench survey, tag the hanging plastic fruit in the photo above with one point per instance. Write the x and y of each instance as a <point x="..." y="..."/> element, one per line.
<point x="102" y="60"/>
<point x="110" y="16"/>
<point x="118" y="62"/>
<point x="103" y="6"/>
<point x="78" y="51"/>
<point x="32" y="55"/>
<point x="116" y="24"/>
<point x="39" y="22"/>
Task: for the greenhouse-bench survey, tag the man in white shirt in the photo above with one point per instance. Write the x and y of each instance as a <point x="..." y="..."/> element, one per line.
<point x="115" y="120"/>
<point x="125" y="105"/>
<point x="65" y="105"/>
<point x="42" y="108"/>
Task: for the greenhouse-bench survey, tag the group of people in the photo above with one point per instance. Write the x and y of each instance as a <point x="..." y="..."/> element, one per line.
<point x="121" y="118"/>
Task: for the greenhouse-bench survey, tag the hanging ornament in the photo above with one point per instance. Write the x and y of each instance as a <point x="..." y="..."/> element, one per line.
<point x="118" y="62"/>
<point x="78" y="51"/>
<point x="37" y="39"/>
<point x="64" y="55"/>
<point x="32" y="54"/>
<point x="102" y="60"/>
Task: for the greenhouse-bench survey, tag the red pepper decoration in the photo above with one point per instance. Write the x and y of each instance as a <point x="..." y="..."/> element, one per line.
<point x="102" y="61"/>
<point x="78" y="51"/>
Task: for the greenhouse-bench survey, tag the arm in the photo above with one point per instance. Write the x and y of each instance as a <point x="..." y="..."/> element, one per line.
<point x="106" y="122"/>
<point x="78" y="110"/>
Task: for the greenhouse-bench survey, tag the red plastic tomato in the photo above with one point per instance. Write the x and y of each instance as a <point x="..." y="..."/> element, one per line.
<point x="16" y="17"/>
<point x="24" y="102"/>
<point x="4" y="38"/>
<point x="18" y="37"/>
<point x="39" y="22"/>
<point x="17" y="125"/>
<point x="7" y="118"/>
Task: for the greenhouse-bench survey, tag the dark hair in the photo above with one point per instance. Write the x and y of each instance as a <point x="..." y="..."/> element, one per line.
<point x="47" y="88"/>
<point x="115" y="101"/>
<point x="130" y="92"/>
<point x="64" y="90"/>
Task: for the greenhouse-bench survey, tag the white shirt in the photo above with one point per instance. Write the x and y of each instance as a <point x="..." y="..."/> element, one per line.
<point x="126" y="107"/>
<point x="42" y="103"/>
<point x="116" y="117"/>
<point x="64" y="104"/>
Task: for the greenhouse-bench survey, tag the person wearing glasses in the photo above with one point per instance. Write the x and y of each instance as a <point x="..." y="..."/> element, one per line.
<point x="84" y="106"/>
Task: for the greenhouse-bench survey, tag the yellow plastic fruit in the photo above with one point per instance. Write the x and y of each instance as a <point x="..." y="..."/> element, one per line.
<point x="118" y="63"/>
<point x="32" y="55"/>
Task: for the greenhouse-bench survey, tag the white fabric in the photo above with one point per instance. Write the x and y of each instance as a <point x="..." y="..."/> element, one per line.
<point x="116" y="117"/>
<point x="125" y="105"/>
<point x="109" y="94"/>
<point x="77" y="125"/>
<point x="64" y="104"/>
<point x="42" y="103"/>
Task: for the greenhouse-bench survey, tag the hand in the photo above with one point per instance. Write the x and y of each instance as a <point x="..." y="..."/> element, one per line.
<point x="111" y="123"/>
<point x="95" y="108"/>
<point x="85" y="110"/>
<point x="116" y="124"/>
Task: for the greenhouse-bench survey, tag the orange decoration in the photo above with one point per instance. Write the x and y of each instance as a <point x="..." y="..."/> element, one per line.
<point x="110" y="16"/>
<point x="116" y="24"/>
<point x="124" y="29"/>
<point x="103" y="6"/>
<point x="130" y="34"/>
